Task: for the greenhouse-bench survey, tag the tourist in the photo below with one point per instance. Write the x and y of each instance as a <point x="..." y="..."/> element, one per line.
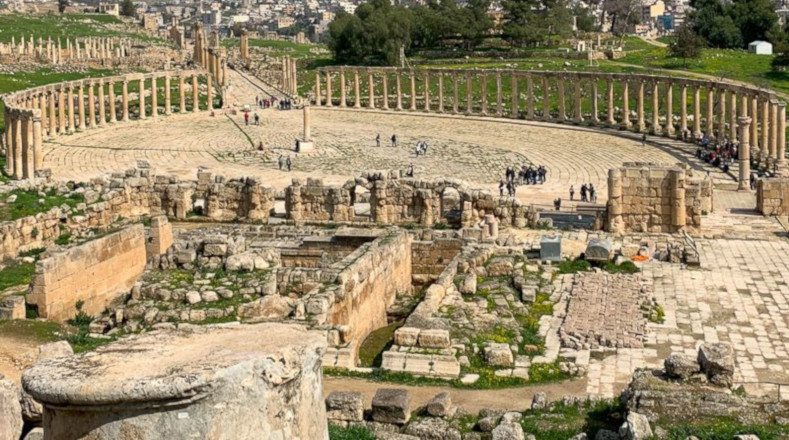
<point x="289" y="163"/>
<point x="246" y="118"/>
<point x="394" y="140"/>
<point x="502" y="185"/>
<point x="557" y="203"/>
<point x="572" y="193"/>
<point x="378" y="140"/>
<point x="424" y="147"/>
<point x="410" y="171"/>
<point x="257" y="101"/>
<point x="753" y="181"/>
<point x="592" y="194"/>
<point x="583" y="192"/>
<point x="510" y="189"/>
<point x="257" y="119"/>
<point x="417" y="149"/>
<point x="261" y="147"/>
<point x="281" y="161"/>
<point x="644" y="140"/>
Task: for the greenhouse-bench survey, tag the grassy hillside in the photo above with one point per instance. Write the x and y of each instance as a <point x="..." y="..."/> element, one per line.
<point x="64" y="26"/>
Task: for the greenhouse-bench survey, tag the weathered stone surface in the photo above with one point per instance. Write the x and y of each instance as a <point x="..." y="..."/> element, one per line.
<point x="605" y="434"/>
<point x="499" y="355"/>
<point x="431" y="428"/>
<point x="539" y="401"/>
<point x="230" y="382"/>
<point x="35" y="434"/>
<point x="500" y="266"/>
<point x="440" y="405"/>
<point x="434" y="338"/>
<point x="406" y="336"/>
<point x="392" y="406"/>
<point x="680" y="366"/>
<point x="717" y="362"/>
<point x="469" y="284"/>
<point x="271" y="307"/>
<point x="345" y="406"/>
<point x="508" y="431"/>
<point x="10" y="411"/>
<point x="12" y="307"/>
<point x="636" y="427"/>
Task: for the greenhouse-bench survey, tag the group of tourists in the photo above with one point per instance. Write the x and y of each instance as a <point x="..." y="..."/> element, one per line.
<point x="378" y="140"/>
<point x="256" y="118"/>
<point x="588" y="193"/>
<point x="285" y="161"/>
<point x="526" y="175"/>
<point x="718" y="154"/>
<point x="420" y="148"/>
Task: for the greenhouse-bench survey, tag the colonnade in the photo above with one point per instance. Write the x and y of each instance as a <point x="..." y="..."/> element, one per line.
<point x="663" y="106"/>
<point x="64" y="108"/>
<point x="290" y="76"/>
<point x="56" y="52"/>
<point x="213" y="59"/>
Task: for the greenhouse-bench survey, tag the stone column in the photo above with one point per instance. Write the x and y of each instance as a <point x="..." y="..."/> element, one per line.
<point x="329" y="102"/>
<point x="529" y="97"/>
<point x="441" y="92"/>
<point x="413" y="91"/>
<point x="683" y="111"/>
<point x="142" y="98"/>
<point x="626" y="105"/>
<point x="781" y="146"/>
<point x="697" y="110"/>
<point x="610" y="101"/>
<point x="469" y="94"/>
<point x="155" y="97"/>
<point x="745" y="154"/>
<point x="38" y="155"/>
<point x="18" y="147"/>
<point x="318" y="89"/>
<point x="10" y="141"/>
<point x="773" y="131"/>
<point x="385" y="96"/>
<point x="546" y="99"/>
<point x="678" y="189"/>
<point x="499" y="108"/>
<point x="181" y="93"/>
<point x="167" y="98"/>
<point x="578" y="117"/>
<point x="514" y="96"/>
<point x="722" y="116"/>
<point x="52" y="115"/>
<point x="209" y="98"/>
<point x="655" y="107"/>
<point x="28" y="162"/>
<point x="71" y="116"/>
<point x="370" y="90"/>
<point x="669" y="131"/>
<point x="195" y="94"/>
<point x="754" y="114"/>
<point x="307" y="123"/>
<point x="357" y="100"/>
<point x="399" y="89"/>
<point x="91" y="106"/>
<point x="595" y="103"/>
<point x="111" y="98"/>
<point x="456" y="94"/>
<point x="483" y="86"/>
<point x="710" y="110"/>
<point x="102" y="114"/>
<point x="427" y="92"/>
<point x="562" y="103"/>
<point x="733" y="116"/>
<point x="125" y="101"/>
<point x="42" y="106"/>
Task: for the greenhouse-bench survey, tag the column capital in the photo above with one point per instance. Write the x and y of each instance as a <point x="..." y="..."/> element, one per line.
<point x="744" y="121"/>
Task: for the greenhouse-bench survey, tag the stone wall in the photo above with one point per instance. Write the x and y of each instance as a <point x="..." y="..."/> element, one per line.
<point x="243" y="198"/>
<point x="94" y="272"/>
<point x="365" y="288"/>
<point x="656" y="198"/>
<point x="772" y="196"/>
<point x="316" y="201"/>
<point x="430" y="258"/>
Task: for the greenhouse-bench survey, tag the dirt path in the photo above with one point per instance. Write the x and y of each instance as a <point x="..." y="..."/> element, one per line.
<point x="653" y="42"/>
<point x="471" y="400"/>
<point x="16" y="354"/>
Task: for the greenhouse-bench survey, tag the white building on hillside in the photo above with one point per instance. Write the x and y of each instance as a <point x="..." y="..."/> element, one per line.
<point x="760" y="47"/>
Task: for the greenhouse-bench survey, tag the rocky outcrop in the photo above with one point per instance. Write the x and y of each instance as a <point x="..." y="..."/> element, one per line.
<point x="717" y="362"/>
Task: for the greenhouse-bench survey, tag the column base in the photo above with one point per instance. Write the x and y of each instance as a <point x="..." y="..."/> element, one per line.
<point x="305" y="146"/>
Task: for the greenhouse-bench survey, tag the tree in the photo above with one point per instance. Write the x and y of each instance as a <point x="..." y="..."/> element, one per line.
<point x="624" y="14"/>
<point x="686" y="44"/>
<point x="754" y="18"/>
<point x="62" y="4"/>
<point x="127" y="8"/>
<point x="584" y="19"/>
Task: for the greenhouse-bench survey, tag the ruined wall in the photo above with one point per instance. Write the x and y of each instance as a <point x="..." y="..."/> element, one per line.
<point x="244" y="198"/>
<point x="316" y="201"/>
<point x="656" y="198"/>
<point x="94" y="272"/>
<point x="366" y="286"/>
<point x="772" y="196"/>
<point x="430" y="258"/>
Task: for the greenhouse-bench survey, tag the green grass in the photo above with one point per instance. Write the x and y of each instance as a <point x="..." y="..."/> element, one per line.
<point x="574" y="266"/>
<point x="378" y="341"/>
<point x="721" y="428"/>
<point x="626" y="267"/>
<point x="39" y="331"/>
<point x="3" y="177"/>
<point x="63" y="26"/>
<point x="16" y="274"/>
<point x="350" y="433"/>
<point x="561" y="422"/>
<point x="30" y="203"/>
<point x="280" y="48"/>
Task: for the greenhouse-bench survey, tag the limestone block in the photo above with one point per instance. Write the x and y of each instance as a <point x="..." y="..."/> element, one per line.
<point x="432" y="429"/>
<point x="717" y="362"/>
<point x="10" y="411"/>
<point x="501" y="266"/>
<point x="12" y="307"/>
<point x="227" y="382"/>
<point x="499" y="355"/>
<point x="391" y="406"/>
<point x="681" y="366"/>
<point x="508" y="431"/>
<point x="393" y="361"/>
<point x="214" y="250"/>
<point x="469" y="284"/>
<point x="636" y="427"/>
<point x="345" y="406"/>
<point x="406" y="336"/>
<point x="434" y="338"/>
<point x="35" y="434"/>
<point x="440" y="405"/>
<point x="271" y="307"/>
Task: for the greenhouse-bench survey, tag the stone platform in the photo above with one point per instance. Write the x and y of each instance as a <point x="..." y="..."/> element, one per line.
<point x="219" y="382"/>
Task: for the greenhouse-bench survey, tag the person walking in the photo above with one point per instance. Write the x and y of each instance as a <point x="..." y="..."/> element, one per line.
<point x="592" y="194"/>
<point x="378" y="140"/>
<point x="583" y="192"/>
<point x="572" y="193"/>
<point x="410" y="171"/>
<point x="644" y="140"/>
<point x="246" y="118"/>
<point x="281" y="162"/>
<point x="257" y="119"/>
<point x="289" y="163"/>
<point x="501" y="188"/>
<point x="394" y="140"/>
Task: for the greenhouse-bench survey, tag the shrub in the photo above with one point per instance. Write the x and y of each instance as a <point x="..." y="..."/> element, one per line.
<point x="350" y="433"/>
